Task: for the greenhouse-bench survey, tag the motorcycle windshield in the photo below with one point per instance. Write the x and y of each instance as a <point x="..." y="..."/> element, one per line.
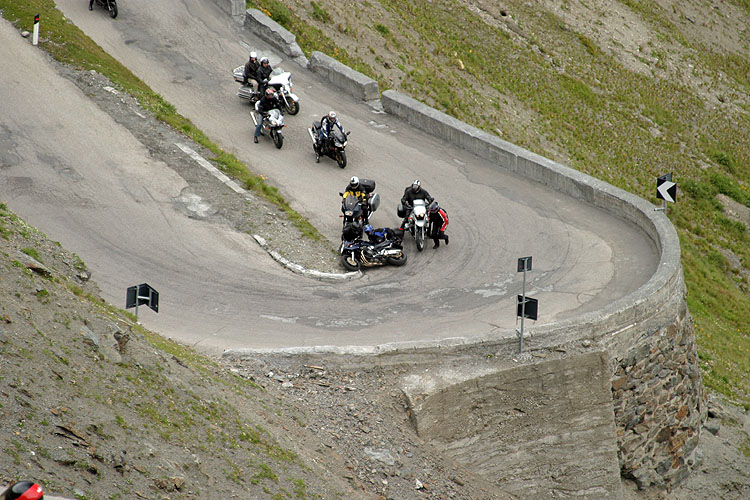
<point x="338" y="137"/>
<point x="351" y="204"/>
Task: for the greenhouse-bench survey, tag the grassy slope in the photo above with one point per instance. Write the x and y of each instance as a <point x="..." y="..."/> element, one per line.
<point x="552" y="89"/>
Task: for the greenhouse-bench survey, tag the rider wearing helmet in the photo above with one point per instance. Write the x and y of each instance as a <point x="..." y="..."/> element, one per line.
<point x="380" y="234"/>
<point x="268" y="102"/>
<point x="263" y="73"/>
<point x="23" y="490"/>
<point x="438" y="222"/>
<point x="251" y="70"/>
<point x="354" y="187"/>
<point x="326" y="126"/>
<point x="411" y="193"/>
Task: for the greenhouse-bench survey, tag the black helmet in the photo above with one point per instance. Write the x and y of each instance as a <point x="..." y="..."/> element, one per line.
<point x="24" y="490"/>
<point x="416" y="185"/>
<point x="354" y="182"/>
<point x="433" y="207"/>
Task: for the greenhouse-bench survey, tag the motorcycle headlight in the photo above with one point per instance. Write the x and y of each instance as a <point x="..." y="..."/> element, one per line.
<point x="348" y="213"/>
<point x="420" y="216"/>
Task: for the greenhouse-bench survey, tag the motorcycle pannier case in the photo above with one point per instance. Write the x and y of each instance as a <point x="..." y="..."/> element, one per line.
<point x="367" y="184"/>
<point x="245" y="93"/>
<point x="400" y="210"/>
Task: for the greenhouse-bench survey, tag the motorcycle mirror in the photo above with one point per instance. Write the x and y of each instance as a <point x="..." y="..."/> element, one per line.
<point x="341" y="194"/>
<point x="347" y="134"/>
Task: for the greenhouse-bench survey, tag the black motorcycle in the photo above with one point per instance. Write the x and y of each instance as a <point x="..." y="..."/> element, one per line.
<point x="359" y="253"/>
<point x="110" y="5"/>
<point x="355" y="218"/>
<point x="332" y="146"/>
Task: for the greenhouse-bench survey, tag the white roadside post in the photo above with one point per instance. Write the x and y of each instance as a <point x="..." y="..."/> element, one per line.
<point x="35" y="36"/>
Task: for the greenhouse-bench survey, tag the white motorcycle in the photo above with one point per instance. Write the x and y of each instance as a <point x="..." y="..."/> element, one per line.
<point x="273" y="122"/>
<point x="280" y="80"/>
<point x="417" y="223"/>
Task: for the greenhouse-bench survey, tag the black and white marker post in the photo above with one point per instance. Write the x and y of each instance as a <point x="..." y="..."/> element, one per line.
<point x="35" y="36"/>
<point x="665" y="190"/>
<point x="142" y="294"/>
<point x="525" y="307"/>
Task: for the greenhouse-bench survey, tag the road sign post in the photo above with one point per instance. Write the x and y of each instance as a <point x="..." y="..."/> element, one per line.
<point x="665" y="190"/>
<point x="524" y="264"/>
<point x="142" y="294"/>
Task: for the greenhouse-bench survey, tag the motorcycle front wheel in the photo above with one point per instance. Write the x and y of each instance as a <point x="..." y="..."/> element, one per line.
<point x="341" y="159"/>
<point x="278" y="139"/>
<point x="292" y="107"/>
<point x="349" y="262"/>
<point x="397" y="260"/>
<point x="419" y="236"/>
<point x="112" y="9"/>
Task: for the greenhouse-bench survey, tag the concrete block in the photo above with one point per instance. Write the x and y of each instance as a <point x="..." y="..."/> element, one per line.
<point x="273" y="33"/>
<point x="352" y="82"/>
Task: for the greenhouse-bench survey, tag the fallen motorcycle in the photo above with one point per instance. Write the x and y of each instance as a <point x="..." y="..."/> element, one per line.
<point x="332" y="146"/>
<point x="280" y="80"/>
<point x="359" y="253"/>
<point x="111" y="6"/>
<point x="273" y="122"/>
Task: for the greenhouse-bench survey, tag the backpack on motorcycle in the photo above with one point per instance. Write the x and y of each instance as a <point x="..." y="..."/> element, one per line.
<point x="367" y="185"/>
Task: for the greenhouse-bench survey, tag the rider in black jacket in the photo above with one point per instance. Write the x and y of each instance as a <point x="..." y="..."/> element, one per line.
<point x="263" y="74"/>
<point x="251" y="69"/>
<point x="411" y="193"/>
<point x="268" y="102"/>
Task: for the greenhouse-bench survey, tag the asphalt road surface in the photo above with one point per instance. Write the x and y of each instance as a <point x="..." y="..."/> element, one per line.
<point x="105" y="198"/>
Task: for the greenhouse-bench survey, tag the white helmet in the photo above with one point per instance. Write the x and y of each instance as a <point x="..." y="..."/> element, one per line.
<point x="253" y="55"/>
<point x="354" y="182"/>
<point x="263" y="60"/>
<point x="332" y="116"/>
<point x="416" y="185"/>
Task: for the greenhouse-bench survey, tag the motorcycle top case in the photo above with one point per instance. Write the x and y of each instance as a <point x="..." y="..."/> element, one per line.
<point x="367" y="184"/>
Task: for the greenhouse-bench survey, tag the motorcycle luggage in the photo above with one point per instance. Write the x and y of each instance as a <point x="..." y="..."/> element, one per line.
<point x="374" y="201"/>
<point x="400" y="210"/>
<point x="367" y="184"/>
<point x="245" y="93"/>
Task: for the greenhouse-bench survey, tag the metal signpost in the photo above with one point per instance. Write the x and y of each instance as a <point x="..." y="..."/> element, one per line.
<point x="665" y="190"/>
<point x="525" y="307"/>
<point x="142" y="294"/>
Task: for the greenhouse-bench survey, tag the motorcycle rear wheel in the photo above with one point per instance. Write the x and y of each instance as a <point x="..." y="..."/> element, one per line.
<point x="292" y="107"/>
<point x="278" y="139"/>
<point x="341" y="159"/>
<point x="112" y="9"/>
<point x="397" y="261"/>
<point x="349" y="262"/>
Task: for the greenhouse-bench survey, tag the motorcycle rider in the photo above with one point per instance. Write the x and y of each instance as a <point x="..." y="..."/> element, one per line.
<point x="326" y="127"/>
<point x="250" y="74"/>
<point x="355" y="188"/>
<point x="411" y="193"/>
<point x="438" y="222"/>
<point x="380" y="234"/>
<point x="266" y="103"/>
<point x="263" y="74"/>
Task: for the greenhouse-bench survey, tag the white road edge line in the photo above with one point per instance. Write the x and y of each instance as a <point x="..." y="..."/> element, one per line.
<point x="296" y="268"/>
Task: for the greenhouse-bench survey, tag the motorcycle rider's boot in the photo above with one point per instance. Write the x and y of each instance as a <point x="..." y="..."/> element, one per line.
<point x="447" y="240"/>
<point x="437" y="244"/>
<point x="255" y="139"/>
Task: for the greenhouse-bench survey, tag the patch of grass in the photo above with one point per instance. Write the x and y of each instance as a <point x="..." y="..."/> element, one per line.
<point x="320" y="13"/>
<point x="31" y="252"/>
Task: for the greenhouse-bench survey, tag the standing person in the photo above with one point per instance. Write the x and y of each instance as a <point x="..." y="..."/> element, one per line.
<point x="250" y="75"/>
<point x="263" y="74"/>
<point x="438" y="222"/>
<point x="411" y="193"/>
<point x="268" y="102"/>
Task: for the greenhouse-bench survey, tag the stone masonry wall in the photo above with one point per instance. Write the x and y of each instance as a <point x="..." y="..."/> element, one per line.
<point x="659" y="404"/>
